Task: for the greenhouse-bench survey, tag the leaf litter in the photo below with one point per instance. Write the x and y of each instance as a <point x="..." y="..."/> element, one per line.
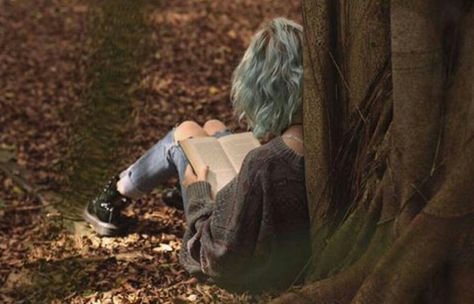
<point x="46" y="49"/>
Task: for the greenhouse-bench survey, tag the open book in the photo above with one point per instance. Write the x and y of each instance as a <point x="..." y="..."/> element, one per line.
<point x="224" y="156"/>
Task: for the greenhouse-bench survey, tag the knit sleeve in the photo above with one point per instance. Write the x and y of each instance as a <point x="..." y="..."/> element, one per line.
<point x="222" y="234"/>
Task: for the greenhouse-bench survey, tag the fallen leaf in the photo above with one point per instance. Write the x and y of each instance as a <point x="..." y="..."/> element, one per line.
<point x="213" y="90"/>
<point x="163" y="248"/>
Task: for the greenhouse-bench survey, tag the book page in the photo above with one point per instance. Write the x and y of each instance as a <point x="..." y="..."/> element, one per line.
<point x="202" y="151"/>
<point x="237" y="146"/>
<point x="219" y="178"/>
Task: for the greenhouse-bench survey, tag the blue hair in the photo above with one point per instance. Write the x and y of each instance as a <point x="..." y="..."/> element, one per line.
<point x="267" y="83"/>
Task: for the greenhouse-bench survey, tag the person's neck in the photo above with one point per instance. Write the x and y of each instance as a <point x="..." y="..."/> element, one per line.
<point x="295" y="130"/>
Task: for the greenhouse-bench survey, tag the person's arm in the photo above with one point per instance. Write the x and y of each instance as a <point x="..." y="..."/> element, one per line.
<point x="224" y="232"/>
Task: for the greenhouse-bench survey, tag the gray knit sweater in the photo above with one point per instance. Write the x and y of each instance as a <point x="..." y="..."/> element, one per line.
<point x="255" y="235"/>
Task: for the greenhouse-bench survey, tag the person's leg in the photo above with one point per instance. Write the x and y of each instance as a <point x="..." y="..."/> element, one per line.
<point x="175" y="197"/>
<point x="214" y="126"/>
<point x="163" y="161"/>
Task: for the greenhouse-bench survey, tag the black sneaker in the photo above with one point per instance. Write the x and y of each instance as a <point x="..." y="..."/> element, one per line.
<point x="172" y="198"/>
<point x="104" y="212"/>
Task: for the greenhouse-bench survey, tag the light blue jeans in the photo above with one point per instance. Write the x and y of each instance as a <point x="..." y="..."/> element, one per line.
<point x="161" y="162"/>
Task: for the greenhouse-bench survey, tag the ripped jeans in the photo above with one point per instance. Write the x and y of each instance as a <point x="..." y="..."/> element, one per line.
<point x="160" y="163"/>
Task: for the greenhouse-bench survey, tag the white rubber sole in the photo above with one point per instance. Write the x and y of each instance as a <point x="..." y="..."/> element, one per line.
<point x="101" y="228"/>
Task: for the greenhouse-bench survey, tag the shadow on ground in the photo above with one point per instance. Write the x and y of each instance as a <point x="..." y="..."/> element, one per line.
<point x="48" y="281"/>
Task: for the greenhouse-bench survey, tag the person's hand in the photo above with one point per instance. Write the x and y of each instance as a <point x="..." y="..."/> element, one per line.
<point x="190" y="177"/>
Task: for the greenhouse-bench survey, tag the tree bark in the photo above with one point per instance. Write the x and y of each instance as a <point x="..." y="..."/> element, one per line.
<point x="389" y="122"/>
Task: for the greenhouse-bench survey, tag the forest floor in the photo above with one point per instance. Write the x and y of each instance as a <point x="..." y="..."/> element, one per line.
<point x="85" y="88"/>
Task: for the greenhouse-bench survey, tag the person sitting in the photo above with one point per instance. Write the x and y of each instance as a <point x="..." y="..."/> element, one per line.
<point x="254" y="234"/>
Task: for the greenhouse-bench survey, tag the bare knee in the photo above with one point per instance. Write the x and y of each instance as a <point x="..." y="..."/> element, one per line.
<point x="189" y="124"/>
<point x="214" y="125"/>
<point x="187" y="129"/>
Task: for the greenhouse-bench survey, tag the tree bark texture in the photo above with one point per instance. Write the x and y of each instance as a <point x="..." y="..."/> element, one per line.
<point x="389" y="127"/>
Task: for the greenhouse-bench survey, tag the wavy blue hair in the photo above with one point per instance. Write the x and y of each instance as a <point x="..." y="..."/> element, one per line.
<point x="267" y="83"/>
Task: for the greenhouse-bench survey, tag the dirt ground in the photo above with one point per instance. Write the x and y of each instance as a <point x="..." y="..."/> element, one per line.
<point x="51" y="59"/>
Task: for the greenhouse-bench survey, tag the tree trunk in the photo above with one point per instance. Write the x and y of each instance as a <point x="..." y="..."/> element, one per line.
<point x="389" y="127"/>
